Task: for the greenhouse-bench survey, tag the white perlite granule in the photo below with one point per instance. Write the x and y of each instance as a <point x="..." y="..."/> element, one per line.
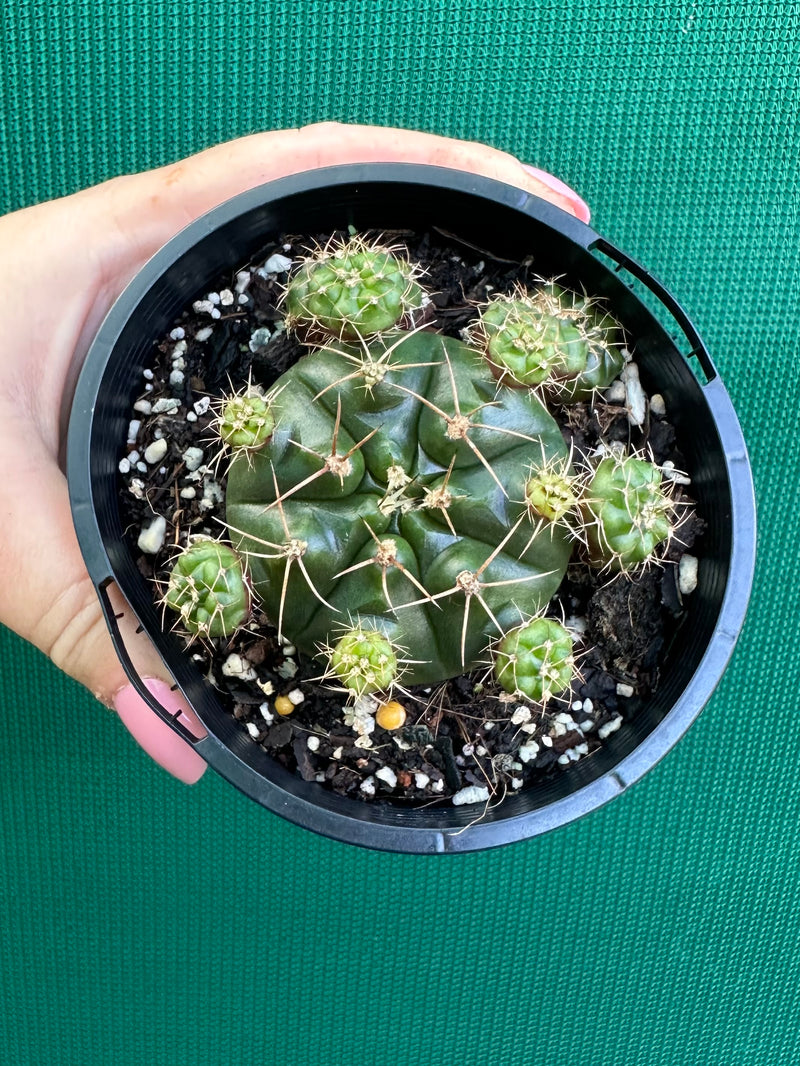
<point x="471" y="794"/>
<point x="192" y="457"/>
<point x="687" y="574"/>
<point x="387" y="776"/>
<point x="155" y="452"/>
<point x="151" y="538"/>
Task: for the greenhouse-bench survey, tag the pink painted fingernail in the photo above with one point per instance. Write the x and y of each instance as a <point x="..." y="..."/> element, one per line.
<point x="581" y="207"/>
<point x="160" y="742"/>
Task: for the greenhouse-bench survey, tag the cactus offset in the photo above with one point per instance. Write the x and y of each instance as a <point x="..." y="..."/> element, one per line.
<point x="627" y="512"/>
<point x="535" y="660"/>
<point x="350" y="290"/>
<point x="208" y="590"/>
<point x="550" y="338"/>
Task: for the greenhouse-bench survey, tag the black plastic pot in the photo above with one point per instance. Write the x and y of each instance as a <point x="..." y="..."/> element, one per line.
<point x="512" y="224"/>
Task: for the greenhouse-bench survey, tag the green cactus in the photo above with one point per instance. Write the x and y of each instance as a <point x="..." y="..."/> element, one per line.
<point x="364" y="660"/>
<point x="550" y="491"/>
<point x="398" y="498"/>
<point x="627" y="512"/>
<point x="208" y="590"/>
<point x="551" y="338"/>
<point x="351" y="290"/>
<point x="246" y="419"/>
<point x="535" y="660"/>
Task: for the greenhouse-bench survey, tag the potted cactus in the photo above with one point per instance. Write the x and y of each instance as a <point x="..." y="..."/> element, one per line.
<point x="400" y="510"/>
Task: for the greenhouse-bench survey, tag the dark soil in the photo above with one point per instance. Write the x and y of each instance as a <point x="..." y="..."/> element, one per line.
<point x="464" y="732"/>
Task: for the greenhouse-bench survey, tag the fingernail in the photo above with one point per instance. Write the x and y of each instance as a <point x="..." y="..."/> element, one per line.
<point x="160" y="742"/>
<point x="581" y="207"/>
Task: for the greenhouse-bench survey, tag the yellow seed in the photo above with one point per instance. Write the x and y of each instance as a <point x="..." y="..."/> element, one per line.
<point x="391" y="715"/>
<point x="283" y="705"/>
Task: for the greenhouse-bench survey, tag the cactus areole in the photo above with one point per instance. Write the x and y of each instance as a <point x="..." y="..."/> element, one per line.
<point x="392" y="496"/>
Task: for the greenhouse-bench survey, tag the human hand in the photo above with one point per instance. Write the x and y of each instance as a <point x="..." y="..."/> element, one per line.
<point x="64" y="263"/>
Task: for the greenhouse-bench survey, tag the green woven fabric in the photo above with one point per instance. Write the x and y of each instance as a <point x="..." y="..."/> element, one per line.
<point x="142" y="922"/>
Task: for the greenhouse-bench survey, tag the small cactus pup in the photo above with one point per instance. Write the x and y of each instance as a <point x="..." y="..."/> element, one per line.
<point x="207" y="589"/>
<point x="627" y="512"/>
<point x="535" y="660"/>
<point x="351" y="289"/>
<point x="246" y="419"/>
<point x="551" y="339"/>
<point x="364" y="661"/>
<point x="551" y="491"/>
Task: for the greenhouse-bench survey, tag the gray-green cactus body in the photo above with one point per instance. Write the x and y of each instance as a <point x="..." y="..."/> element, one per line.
<point x="393" y="519"/>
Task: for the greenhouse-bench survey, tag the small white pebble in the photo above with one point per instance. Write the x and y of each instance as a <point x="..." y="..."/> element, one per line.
<point x="148" y="388"/>
<point x="563" y="760"/>
<point x="516" y="782"/>
<point x="635" y="399"/>
<point x="588" y="706"/>
<point x="289" y="649"/>
<point x="133" y="457"/>
<point x="438" y="785"/>
<point x="480" y="750"/>
<point x="468" y="749"/>
<point x="212" y="495"/>
<point x="204" y="333"/>
<point x="155" y="452"/>
<point x="179" y="363"/>
<point x="142" y="468"/>
<point x="587" y="726"/>
<point x="547" y="741"/>
<point x="296" y="696"/>
<point x="136" y="488"/>
<point x="267" y="688"/>
<point x="657" y="405"/>
<point x="367" y="786"/>
<point x="521" y="714"/>
<point x="287" y="669"/>
<point x="615" y="393"/>
<point x="387" y="775"/>
<point x="624" y="690"/>
<point x="471" y="794"/>
<point x="215" y="313"/>
<point x="177" y="334"/>
<point x="168" y="405"/>
<point x="192" y="457"/>
<point x="528" y="752"/>
<point x="276" y="264"/>
<point x="609" y="728"/>
<point x="203" y="307"/>
<point x="242" y="280"/>
<point x="202" y="405"/>
<point x="566" y="719"/>
<point x="320" y="778"/>
<point x="421" y="780"/>
<point x="144" y="407"/>
<point x="133" y="429"/>
<point x="313" y="743"/>
<point x="582" y="749"/>
<point x="687" y="574"/>
<point x="214" y="298"/>
<point x="124" y="466"/>
<point x="191" y="416"/>
<point x="671" y="474"/>
<point x="147" y="375"/>
<point x="238" y="667"/>
<point x="188" y="493"/>
<point x="152" y="536"/>
<point x="179" y="351"/>
<point x="577" y="705"/>
<point x="259" y="339"/>
<point x="242" y="298"/>
<point x="226" y="297"/>
<point x="337" y="754"/>
<point x="253" y="730"/>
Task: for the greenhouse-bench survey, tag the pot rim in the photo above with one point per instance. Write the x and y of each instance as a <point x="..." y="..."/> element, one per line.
<point x="356" y="826"/>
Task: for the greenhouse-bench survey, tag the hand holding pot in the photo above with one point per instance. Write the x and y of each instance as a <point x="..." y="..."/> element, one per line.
<point x="64" y="263"/>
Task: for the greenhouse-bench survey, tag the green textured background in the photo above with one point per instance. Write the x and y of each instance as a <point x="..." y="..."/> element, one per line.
<point x="142" y="922"/>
